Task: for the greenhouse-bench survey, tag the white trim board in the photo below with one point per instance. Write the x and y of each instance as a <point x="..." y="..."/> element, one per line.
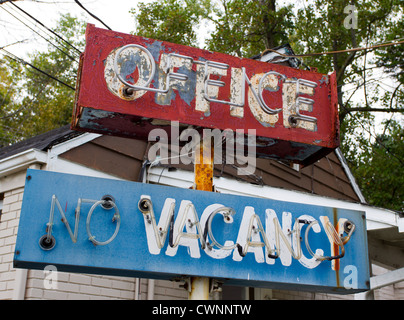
<point x="376" y="218"/>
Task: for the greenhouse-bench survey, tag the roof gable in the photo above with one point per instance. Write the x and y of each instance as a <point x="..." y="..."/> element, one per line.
<point x="41" y="142"/>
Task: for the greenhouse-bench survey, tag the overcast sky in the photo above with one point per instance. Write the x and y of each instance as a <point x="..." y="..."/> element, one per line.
<point x="114" y="13"/>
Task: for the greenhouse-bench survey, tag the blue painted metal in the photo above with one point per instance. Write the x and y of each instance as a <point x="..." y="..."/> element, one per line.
<point x="128" y="254"/>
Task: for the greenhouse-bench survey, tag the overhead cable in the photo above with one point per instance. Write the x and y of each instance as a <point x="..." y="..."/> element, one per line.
<point x="43" y="37"/>
<point x="335" y="52"/>
<point x="11" y="44"/>
<point x="14" y="57"/>
<point x="91" y="14"/>
<point x="50" y="30"/>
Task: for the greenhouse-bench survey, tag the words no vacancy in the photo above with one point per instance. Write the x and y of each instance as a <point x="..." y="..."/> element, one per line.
<point x="129" y="85"/>
<point x="92" y="225"/>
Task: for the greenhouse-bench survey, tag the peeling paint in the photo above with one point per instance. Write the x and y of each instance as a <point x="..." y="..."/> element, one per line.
<point x="201" y="104"/>
<point x="324" y="80"/>
<point x="264" y="118"/>
<point x="242" y="94"/>
<point x="155" y="49"/>
<point x="236" y="92"/>
<point x="186" y="89"/>
<point x="118" y="88"/>
<point x="289" y="103"/>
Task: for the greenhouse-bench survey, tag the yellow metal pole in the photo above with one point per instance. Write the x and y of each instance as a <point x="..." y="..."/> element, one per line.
<point x="203" y="181"/>
<point x="204" y="166"/>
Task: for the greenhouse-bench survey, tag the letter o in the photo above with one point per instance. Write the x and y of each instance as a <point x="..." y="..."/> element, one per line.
<point x="149" y="55"/>
<point x="116" y="217"/>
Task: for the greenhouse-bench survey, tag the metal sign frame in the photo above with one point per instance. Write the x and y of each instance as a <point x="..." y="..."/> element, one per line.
<point x="130" y="85"/>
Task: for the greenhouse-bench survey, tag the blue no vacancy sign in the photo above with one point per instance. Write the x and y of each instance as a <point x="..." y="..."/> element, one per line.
<point x="102" y="226"/>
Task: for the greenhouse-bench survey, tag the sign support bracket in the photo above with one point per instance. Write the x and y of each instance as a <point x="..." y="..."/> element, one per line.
<point x="203" y="170"/>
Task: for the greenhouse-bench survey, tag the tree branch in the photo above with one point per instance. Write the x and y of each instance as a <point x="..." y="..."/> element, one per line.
<point x="394" y="93"/>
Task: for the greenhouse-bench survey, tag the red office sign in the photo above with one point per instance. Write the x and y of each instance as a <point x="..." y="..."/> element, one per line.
<point x="130" y="85"/>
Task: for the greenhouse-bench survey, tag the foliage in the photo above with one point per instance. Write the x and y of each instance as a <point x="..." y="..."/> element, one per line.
<point x="320" y="27"/>
<point x="380" y="168"/>
<point x="246" y="28"/>
<point x="170" y="20"/>
<point x="10" y="74"/>
<point x="241" y="27"/>
<point x="32" y="103"/>
<point x="36" y="103"/>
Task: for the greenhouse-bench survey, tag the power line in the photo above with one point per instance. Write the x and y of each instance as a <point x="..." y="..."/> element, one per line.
<point x="50" y="30"/>
<point x="63" y="46"/>
<point x="50" y="42"/>
<point x="14" y="57"/>
<point x="335" y="52"/>
<point x="91" y="14"/>
<point x="11" y="44"/>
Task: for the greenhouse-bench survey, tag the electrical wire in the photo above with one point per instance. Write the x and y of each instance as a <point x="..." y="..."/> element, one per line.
<point x="11" y="44"/>
<point x="335" y="52"/>
<point x="91" y="14"/>
<point x="14" y="57"/>
<point x="43" y="30"/>
<point x="43" y="37"/>
<point x="50" y="30"/>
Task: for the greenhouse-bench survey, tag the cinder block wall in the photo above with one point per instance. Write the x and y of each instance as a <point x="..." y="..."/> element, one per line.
<point x="8" y="235"/>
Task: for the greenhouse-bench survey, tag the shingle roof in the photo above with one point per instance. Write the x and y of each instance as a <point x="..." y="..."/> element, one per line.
<point x="42" y="142"/>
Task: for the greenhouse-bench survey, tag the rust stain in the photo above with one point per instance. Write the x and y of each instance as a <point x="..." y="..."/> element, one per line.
<point x="204" y="167"/>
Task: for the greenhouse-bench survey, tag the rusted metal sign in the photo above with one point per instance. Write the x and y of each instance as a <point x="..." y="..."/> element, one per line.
<point x="92" y="225"/>
<point x="130" y="85"/>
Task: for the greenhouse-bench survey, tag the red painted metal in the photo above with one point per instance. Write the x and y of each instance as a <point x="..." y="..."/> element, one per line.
<point x="98" y="109"/>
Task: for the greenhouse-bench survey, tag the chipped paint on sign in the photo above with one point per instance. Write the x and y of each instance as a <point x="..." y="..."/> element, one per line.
<point x="186" y="89"/>
<point x="289" y="100"/>
<point x="165" y="232"/>
<point x="236" y="93"/>
<point x="134" y="78"/>
<point x="201" y="104"/>
<point x="266" y="120"/>
<point x="117" y="87"/>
